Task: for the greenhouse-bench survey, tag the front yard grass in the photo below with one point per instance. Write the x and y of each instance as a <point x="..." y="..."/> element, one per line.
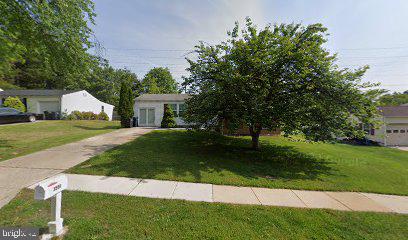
<point x="22" y="139"/>
<point x="281" y="163"/>
<point x="103" y="216"/>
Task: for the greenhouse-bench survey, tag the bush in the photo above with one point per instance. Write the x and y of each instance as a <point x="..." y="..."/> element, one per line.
<point x="89" y="116"/>
<point x="14" y="102"/>
<point x="77" y="115"/>
<point x="70" y="117"/>
<point x="168" y="118"/>
<point x="103" y="116"/>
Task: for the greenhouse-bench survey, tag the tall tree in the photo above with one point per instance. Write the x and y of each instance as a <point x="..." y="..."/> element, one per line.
<point x="125" y="103"/>
<point x="159" y="80"/>
<point x="280" y="77"/>
<point x="44" y="44"/>
<point x="105" y="83"/>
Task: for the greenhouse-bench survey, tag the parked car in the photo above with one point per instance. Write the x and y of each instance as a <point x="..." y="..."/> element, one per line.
<point x="11" y="115"/>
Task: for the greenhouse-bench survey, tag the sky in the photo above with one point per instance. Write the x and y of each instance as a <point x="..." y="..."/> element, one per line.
<point x="142" y="34"/>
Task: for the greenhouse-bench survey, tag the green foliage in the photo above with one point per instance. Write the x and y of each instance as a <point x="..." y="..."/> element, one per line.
<point x="394" y="99"/>
<point x="105" y="83"/>
<point x="168" y="118"/>
<point x="103" y="116"/>
<point x="280" y="77"/>
<point x="6" y="85"/>
<point x="125" y="104"/>
<point x="14" y="102"/>
<point x="44" y="44"/>
<point x="159" y="80"/>
<point x="70" y="117"/>
<point x="77" y="115"/>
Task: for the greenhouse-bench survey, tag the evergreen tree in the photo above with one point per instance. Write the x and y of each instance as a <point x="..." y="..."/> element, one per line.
<point x="125" y="104"/>
<point x="168" y="118"/>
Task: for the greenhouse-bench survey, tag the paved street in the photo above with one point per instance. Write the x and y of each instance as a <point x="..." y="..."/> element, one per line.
<point x="24" y="171"/>
<point x="344" y="201"/>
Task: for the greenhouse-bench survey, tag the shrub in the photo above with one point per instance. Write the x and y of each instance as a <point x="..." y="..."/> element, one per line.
<point x="89" y="116"/>
<point x="168" y="118"/>
<point x="103" y="116"/>
<point x="77" y="115"/>
<point x="71" y="117"/>
<point x="125" y="104"/>
<point x="14" y="102"/>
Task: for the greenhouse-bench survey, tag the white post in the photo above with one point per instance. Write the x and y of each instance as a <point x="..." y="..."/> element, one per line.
<point x="55" y="226"/>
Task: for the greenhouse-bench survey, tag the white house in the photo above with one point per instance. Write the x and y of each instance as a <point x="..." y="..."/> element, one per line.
<point x="60" y="101"/>
<point x="394" y="131"/>
<point x="149" y="108"/>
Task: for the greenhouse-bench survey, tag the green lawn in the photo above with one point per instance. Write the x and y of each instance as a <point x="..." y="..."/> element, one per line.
<point x="102" y="216"/>
<point x="281" y="163"/>
<point x="22" y="139"/>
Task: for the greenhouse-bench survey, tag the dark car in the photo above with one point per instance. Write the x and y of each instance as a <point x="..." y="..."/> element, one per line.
<point x="11" y="115"/>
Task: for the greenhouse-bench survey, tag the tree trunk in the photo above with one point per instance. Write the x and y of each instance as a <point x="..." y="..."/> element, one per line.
<point x="255" y="132"/>
<point x="255" y="141"/>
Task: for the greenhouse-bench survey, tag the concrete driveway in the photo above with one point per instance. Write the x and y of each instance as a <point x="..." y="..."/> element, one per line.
<point x="21" y="172"/>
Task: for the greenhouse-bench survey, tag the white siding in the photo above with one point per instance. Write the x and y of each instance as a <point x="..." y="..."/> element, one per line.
<point x="159" y="110"/>
<point x="84" y="102"/>
<point x="397" y="134"/>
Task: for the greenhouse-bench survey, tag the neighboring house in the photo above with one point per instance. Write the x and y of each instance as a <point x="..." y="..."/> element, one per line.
<point x="149" y="108"/>
<point x="58" y="101"/>
<point x="394" y="131"/>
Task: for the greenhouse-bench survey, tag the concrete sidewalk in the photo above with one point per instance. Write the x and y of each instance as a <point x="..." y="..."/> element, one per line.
<point x="344" y="201"/>
<point x="21" y="172"/>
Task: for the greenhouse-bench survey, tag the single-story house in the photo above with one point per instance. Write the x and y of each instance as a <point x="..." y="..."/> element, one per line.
<point x="149" y="108"/>
<point x="394" y="130"/>
<point x="58" y="101"/>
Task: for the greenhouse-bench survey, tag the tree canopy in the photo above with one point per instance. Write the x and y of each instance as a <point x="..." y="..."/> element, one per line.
<point x="105" y="83"/>
<point x="44" y="44"/>
<point x="394" y="99"/>
<point x="279" y="77"/>
<point x="159" y="80"/>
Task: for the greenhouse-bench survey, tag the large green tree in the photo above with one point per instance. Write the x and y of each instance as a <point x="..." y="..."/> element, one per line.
<point x="105" y="83"/>
<point x="159" y="80"/>
<point x="279" y="77"/>
<point x="44" y="44"/>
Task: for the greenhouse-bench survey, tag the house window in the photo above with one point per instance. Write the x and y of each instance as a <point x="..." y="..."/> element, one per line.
<point x="395" y="131"/>
<point x="388" y="131"/>
<point x="103" y="108"/>
<point x="402" y="131"/>
<point x="182" y="109"/>
<point x="173" y="107"/>
<point x="372" y="131"/>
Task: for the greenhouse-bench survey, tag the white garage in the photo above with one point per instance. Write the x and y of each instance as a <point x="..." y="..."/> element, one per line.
<point x="394" y="131"/>
<point x="149" y="108"/>
<point x="58" y="101"/>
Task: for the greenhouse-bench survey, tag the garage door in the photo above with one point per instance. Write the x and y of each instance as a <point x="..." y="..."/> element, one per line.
<point x="49" y="106"/>
<point x="397" y="135"/>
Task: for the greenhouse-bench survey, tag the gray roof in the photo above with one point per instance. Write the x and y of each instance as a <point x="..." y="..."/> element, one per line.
<point x="163" y="97"/>
<point x="394" y="111"/>
<point x="36" y="92"/>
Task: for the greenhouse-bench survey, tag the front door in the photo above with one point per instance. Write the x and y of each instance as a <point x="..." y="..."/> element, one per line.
<point x="146" y="116"/>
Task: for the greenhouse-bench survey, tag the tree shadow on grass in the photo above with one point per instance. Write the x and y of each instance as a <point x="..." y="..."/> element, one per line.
<point x="189" y="156"/>
<point x="96" y="128"/>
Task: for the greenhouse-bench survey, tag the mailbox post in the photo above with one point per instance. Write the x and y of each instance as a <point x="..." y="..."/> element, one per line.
<point x="52" y="188"/>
